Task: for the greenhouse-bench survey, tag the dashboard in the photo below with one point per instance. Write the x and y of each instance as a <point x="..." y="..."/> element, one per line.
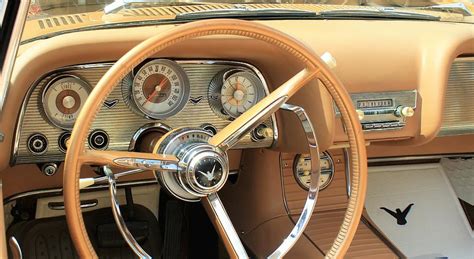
<point x="159" y="94"/>
<point x="376" y="66"/>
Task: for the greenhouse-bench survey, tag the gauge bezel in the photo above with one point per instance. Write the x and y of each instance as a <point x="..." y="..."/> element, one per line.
<point x="50" y="83"/>
<point x="217" y="82"/>
<point x="184" y="97"/>
<point x="331" y="171"/>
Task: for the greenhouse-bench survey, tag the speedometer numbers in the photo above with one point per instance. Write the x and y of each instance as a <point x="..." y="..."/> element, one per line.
<point x="63" y="99"/>
<point x="234" y="91"/>
<point x="160" y="89"/>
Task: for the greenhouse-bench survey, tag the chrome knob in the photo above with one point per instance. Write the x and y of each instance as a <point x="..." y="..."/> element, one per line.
<point x="49" y="169"/>
<point x="404" y="111"/>
<point x="360" y="114"/>
<point x="261" y="132"/>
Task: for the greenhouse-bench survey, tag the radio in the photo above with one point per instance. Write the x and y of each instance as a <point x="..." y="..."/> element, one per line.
<point x="384" y="110"/>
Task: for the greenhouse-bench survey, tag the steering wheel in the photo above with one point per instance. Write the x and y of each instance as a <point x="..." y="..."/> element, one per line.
<point x="176" y="163"/>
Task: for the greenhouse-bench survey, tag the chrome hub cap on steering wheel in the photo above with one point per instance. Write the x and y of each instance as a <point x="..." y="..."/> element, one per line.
<point x="202" y="168"/>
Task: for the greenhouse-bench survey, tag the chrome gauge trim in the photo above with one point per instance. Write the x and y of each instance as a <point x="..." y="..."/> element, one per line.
<point x="182" y="77"/>
<point x="29" y="93"/>
<point x="51" y="82"/>
<point x="331" y="171"/>
<point x="37" y="135"/>
<point x="249" y="66"/>
<point x="143" y="129"/>
<point x="90" y="72"/>
<point x="215" y="89"/>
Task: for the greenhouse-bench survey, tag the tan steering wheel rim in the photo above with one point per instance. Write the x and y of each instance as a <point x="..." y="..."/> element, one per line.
<point x="77" y="154"/>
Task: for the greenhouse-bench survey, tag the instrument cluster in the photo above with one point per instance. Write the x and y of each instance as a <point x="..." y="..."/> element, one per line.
<point x="205" y="94"/>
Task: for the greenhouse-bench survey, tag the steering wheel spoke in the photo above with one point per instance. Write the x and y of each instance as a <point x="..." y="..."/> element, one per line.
<point x="130" y="160"/>
<point x="218" y="215"/>
<point x="243" y="124"/>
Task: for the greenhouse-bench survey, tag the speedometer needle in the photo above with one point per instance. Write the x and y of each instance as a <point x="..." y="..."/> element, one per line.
<point x="157" y="89"/>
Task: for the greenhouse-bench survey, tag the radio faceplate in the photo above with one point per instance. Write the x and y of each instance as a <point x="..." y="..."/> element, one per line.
<point x="384" y="110"/>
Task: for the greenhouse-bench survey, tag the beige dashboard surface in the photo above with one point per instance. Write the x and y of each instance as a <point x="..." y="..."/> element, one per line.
<point x="372" y="56"/>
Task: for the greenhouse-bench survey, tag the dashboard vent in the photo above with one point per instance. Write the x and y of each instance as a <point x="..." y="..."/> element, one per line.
<point x="60" y="21"/>
<point x="458" y="115"/>
<point x="171" y="10"/>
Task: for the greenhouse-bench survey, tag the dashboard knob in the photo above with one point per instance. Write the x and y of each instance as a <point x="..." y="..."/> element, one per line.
<point x="361" y="114"/>
<point x="404" y="111"/>
<point x="37" y="144"/>
<point x="49" y="169"/>
<point x="265" y="132"/>
<point x="262" y="132"/>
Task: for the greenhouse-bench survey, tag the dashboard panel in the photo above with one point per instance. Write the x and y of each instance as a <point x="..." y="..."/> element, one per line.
<point x="125" y="114"/>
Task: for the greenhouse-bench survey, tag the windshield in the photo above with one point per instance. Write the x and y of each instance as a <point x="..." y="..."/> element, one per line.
<point x="50" y="17"/>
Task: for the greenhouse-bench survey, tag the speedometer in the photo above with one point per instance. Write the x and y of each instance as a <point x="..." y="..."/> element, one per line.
<point x="160" y="89"/>
<point x="63" y="99"/>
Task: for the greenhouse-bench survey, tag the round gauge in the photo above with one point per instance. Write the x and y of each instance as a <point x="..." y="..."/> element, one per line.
<point x="302" y="170"/>
<point x="63" y="99"/>
<point x="160" y="89"/>
<point x="232" y="92"/>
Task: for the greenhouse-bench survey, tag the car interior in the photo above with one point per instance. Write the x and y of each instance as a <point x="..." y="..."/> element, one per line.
<point x="237" y="129"/>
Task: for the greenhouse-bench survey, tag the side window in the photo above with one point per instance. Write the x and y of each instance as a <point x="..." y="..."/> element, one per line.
<point x="12" y="19"/>
<point x="2" y="11"/>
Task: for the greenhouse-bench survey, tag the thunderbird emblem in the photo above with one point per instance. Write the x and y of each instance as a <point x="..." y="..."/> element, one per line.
<point x="195" y="100"/>
<point x="398" y="214"/>
<point x="110" y="103"/>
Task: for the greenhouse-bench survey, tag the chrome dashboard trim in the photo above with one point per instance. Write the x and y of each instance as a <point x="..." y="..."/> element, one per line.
<point x="381" y="118"/>
<point x="415" y="158"/>
<point x="58" y="191"/>
<point x="59" y="156"/>
<point x="259" y="75"/>
<point x="27" y="97"/>
<point x="140" y="131"/>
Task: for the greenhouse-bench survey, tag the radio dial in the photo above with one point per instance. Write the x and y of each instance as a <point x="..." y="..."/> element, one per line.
<point x="404" y="111"/>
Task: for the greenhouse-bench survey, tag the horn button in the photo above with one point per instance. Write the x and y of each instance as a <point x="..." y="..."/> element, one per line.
<point x="203" y="168"/>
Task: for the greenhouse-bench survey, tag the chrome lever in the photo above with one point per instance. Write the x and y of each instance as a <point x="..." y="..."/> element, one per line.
<point x="15" y="248"/>
<point x="132" y="243"/>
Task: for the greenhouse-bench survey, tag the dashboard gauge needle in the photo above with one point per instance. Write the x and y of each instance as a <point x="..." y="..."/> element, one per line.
<point x="157" y="89"/>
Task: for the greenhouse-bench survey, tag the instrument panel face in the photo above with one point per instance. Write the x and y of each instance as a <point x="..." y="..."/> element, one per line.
<point x="177" y="95"/>
<point x="160" y="89"/>
<point x="302" y="170"/>
<point x="63" y="99"/>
